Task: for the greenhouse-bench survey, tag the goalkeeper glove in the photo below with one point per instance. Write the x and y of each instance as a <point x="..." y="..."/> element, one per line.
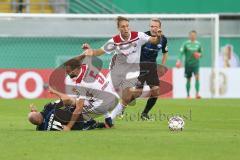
<point x="178" y="64"/>
<point x="197" y="55"/>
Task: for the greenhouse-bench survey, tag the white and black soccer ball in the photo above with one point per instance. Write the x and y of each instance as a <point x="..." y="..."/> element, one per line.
<point x="176" y="123"/>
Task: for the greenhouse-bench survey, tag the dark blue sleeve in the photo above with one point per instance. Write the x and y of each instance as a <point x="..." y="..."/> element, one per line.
<point x="40" y="127"/>
<point x="164" y="45"/>
<point x="46" y="113"/>
<point x="50" y="106"/>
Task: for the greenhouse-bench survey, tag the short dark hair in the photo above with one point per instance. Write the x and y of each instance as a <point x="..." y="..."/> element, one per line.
<point x="73" y="64"/>
<point x="120" y="18"/>
<point x="193" y="31"/>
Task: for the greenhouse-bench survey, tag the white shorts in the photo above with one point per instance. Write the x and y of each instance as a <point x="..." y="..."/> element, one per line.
<point x="91" y="112"/>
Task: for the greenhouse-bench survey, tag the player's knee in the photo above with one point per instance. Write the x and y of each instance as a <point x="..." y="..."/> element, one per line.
<point x="127" y="100"/>
<point x="137" y="93"/>
<point x="155" y="91"/>
<point x="197" y="77"/>
<point x="155" y="94"/>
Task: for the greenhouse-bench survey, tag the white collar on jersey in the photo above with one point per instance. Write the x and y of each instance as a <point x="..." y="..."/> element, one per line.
<point x="128" y="37"/>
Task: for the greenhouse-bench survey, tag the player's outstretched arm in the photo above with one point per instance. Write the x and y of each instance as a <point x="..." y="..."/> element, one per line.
<point x="65" y="98"/>
<point x="88" y="51"/>
<point x="94" y="52"/>
<point x="75" y="115"/>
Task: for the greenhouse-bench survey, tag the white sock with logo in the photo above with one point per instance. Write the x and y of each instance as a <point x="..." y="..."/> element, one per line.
<point x="117" y="110"/>
<point x="107" y="115"/>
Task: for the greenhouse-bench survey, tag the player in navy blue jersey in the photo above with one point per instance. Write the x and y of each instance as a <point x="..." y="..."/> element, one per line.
<point x="57" y="114"/>
<point x="148" y="65"/>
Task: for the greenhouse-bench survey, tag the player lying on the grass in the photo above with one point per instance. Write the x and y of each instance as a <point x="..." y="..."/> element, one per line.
<point x="127" y="47"/>
<point x="57" y="114"/>
<point x="89" y="86"/>
<point x="91" y="107"/>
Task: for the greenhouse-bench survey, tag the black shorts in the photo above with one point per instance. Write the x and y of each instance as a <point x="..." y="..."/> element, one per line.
<point x="148" y="74"/>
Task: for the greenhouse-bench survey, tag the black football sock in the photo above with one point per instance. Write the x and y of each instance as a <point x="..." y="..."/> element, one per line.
<point x="150" y="103"/>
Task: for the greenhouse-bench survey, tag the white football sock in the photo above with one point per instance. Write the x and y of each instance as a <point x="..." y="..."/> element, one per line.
<point x="117" y="110"/>
<point x="106" y="115"/>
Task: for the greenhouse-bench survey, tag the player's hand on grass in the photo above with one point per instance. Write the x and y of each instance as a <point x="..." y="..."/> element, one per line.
<point x="86" y="46"/>
<point x="66" y="128"/>
<point x="32" y="108"/>
<point x="197" y="55"/>
<point x="178" y="64"/>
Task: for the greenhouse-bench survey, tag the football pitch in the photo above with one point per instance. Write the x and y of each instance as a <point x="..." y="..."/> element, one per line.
<point x="212" y="131"/>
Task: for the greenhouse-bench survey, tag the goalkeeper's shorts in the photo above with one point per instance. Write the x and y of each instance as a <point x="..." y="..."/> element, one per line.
<point x="189" y="70"/>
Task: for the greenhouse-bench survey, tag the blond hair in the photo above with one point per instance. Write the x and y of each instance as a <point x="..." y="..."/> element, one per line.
<point x="156" y="20"/>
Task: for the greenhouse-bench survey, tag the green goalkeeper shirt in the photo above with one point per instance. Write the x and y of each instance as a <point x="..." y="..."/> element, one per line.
<point x="188" y="49"/>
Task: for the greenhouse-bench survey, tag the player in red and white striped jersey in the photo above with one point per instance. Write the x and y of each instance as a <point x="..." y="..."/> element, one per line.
<point x="94" y="93"/>
<point x="127" y="49"/>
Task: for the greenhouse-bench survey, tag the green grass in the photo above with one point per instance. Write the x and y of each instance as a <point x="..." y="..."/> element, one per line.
<point x="212" y="131"/>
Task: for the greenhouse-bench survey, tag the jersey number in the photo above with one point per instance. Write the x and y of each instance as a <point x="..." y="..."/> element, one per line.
<point x="97" y="77"/>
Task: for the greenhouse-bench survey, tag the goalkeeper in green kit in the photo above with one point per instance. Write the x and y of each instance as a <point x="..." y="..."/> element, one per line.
<point x="192" y="51"/>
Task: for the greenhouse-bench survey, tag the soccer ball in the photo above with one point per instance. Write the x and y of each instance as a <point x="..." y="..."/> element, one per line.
<point x="176" y="123"/>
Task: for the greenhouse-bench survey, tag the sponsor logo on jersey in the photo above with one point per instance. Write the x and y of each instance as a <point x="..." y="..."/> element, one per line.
<point x="159" y="46"/>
